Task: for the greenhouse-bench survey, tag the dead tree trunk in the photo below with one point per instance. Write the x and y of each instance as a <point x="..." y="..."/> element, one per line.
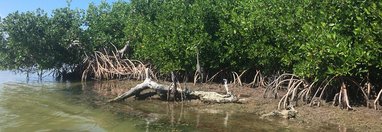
<point x="208" y="97"/>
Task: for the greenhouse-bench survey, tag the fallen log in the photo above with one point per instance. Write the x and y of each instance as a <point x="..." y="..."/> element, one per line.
<point x="163" y="90"/>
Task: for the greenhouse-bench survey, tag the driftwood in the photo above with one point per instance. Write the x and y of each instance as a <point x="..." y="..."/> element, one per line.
<point x="163" y="90"/>
<point x="213" y="97"/>
<point x="287" y="114"/>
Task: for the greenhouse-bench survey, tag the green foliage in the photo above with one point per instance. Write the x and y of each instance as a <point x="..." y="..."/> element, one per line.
<point x="26" y="40"/>
<point x="2" y="43"/>
<point x="313" y="39"/>
<point x="104" y="25"/>
<point x="341" y="39"/>
<point x="168" y="33"/>
<point x="64" y="30"/>
<point x="35" y="41"/>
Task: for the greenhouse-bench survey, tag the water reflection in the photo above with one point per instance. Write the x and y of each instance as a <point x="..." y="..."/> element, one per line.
<point x="64" y="106"/>
<point x="226" y="119"/>
<point x="109" y="88"/>
<point x="52" y="107"/>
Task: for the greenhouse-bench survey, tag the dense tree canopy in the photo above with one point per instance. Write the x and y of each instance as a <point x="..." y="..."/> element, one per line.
<point x="313" y="39"/>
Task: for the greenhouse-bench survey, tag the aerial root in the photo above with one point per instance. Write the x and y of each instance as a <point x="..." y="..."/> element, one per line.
<point x="104" y="66"/>
<point x="213" y="77"/>
<point x="290" y="98"/>
<point x="273" y="87"/>
<point x="258" y="80"/>
<point x="317" y="100"/>
<point x="237" y="78"/>
<point x="342" y="98"/>
<point x="295" y="89"/>
<point x="376" y="101"/>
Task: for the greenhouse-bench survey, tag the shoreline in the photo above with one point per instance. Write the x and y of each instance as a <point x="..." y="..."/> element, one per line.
<point x="325" y="117"/>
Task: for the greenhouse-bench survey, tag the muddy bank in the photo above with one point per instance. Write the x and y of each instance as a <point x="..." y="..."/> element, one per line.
<point x="194" y="113"/>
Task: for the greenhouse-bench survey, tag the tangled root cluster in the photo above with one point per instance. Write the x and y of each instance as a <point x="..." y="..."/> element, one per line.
<point x="102" y="66"/>
<point x="339" y="90"/>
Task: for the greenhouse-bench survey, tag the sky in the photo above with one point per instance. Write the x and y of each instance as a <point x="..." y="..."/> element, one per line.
<point x="9" y="6"/>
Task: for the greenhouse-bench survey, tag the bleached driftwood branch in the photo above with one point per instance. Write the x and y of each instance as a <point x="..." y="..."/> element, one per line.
<point x="209" y="97"/>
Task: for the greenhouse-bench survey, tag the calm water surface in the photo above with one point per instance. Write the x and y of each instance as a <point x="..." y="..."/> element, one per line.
<point x="49" y="105"/>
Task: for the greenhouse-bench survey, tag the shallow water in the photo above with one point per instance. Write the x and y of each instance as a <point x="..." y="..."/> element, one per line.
<point x="72" y="106"/>
<point x="50" y="106"/>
